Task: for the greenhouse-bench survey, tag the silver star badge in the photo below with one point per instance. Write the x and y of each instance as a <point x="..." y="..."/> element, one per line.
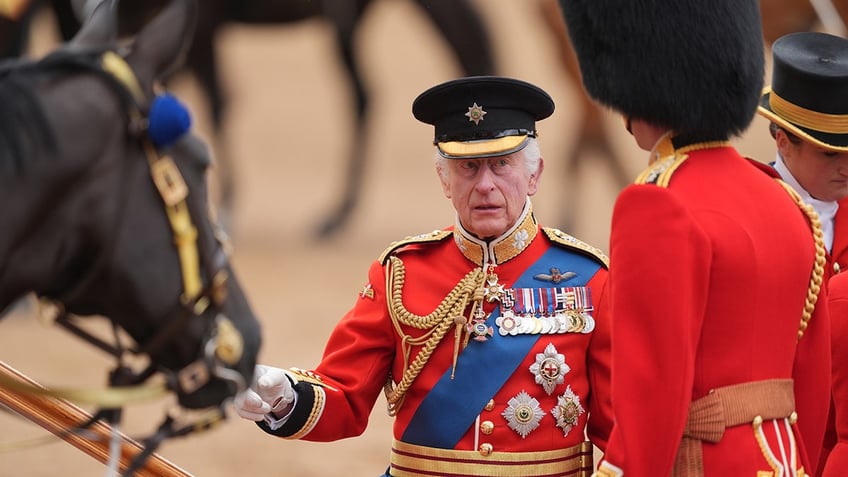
<point x="475" y="113"/>
<point x="523" y="413"/>
<point x="567" y="411"/>
<point x="550" y="368"/>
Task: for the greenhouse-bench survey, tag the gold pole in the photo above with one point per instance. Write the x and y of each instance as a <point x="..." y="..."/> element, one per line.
<point x="59" y="416"/>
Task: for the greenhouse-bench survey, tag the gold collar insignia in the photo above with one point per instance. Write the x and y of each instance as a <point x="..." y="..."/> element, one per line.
<point x="503" y="248"/>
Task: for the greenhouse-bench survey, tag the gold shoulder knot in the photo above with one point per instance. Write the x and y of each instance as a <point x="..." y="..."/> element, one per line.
<point x="660" y="171"/>
<point x="434" y="236"/>
<point x="561" y="238"/>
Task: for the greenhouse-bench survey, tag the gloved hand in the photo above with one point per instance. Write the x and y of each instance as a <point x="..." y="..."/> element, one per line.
<point x="271" y="391"/>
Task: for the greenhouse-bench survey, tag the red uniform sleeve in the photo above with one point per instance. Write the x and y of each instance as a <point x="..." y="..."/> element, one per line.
<point x="599" y="363"/>
<point x="837" y="461"/>
<point x="356" y="363"/>
<point x="659" y="272"/>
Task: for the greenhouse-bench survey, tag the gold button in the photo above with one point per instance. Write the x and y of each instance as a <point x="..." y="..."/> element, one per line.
<point x="487" y="427"/>
<point x="793" y="418"/>
<point x="486" y="449"/>
<point x="490" y="405"/>
<point x="836" y="267"/>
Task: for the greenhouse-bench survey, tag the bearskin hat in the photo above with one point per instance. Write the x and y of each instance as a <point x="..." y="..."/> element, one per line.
<point x="694" y="66"/>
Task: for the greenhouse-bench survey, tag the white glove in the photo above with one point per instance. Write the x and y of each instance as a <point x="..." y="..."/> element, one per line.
<point x="271" y="391"/>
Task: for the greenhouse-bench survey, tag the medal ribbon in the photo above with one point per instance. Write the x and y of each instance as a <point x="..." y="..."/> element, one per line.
<point x="452" y="405"/>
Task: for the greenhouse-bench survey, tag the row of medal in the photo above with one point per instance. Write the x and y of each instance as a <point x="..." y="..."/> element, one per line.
<point x="545" y="311"/>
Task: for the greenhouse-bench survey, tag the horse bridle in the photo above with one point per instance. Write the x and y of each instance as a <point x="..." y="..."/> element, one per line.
<point x="223" y="345"/>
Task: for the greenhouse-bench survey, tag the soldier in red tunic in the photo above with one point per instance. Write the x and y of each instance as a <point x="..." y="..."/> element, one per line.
<point x="720" y="354"/>
<point x="807" y="105"/>
<point x="489" y="338"/>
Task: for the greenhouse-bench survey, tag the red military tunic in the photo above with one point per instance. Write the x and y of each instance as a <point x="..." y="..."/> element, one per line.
<point x="837" y="461"/>
<point x="513" y="389"/>
<point x="837" y="262"/>
<point x="839" y="251"/>
<point x="837" y="259"/>
<point x="710" y="265"/>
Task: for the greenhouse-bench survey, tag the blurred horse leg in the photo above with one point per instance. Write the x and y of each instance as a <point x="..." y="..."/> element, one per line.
<point x="15" y="20"/>
<point x="66" y="19"/>
<point x="466" y="34"/>
<point x="461" y="25"/>
<point x="780" y="17"/>
<point x="592" y="134"/>
<point x="345" y="23"/>
<point x="203" y="65"/>
<point x="829" y="14"/>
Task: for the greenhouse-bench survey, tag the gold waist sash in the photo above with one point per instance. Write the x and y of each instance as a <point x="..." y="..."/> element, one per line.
<point x="410" y="460"/>
<point x="727" y="407"/>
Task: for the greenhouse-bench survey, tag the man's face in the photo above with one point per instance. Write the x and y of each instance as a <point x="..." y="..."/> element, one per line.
<point x="822" y="173"/>
<point x="489" y="194"/>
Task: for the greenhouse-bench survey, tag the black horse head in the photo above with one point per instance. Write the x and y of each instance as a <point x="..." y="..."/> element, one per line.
<point x="106" y="218"/>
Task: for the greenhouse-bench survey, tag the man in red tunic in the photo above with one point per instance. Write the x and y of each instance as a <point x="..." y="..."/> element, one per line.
<point x="490" y="338"/>
<point x="807" y="105"/>
<point x="720" y="354"/>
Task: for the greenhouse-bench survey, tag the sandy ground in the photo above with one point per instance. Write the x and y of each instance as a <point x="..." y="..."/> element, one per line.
<point x="288" y="129"/>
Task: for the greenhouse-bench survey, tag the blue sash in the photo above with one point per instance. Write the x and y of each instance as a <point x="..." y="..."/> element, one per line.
<point x="482" y="368"/>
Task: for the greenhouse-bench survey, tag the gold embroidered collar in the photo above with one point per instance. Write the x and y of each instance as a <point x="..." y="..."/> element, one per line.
<point x="503" y="248"/>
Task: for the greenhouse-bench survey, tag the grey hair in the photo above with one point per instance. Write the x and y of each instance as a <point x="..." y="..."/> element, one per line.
<point x="531" y="153"/>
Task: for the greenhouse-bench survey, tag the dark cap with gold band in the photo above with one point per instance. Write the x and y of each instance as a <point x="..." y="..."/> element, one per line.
<point x="482" y="116"/>
<point x="809" y="92"/>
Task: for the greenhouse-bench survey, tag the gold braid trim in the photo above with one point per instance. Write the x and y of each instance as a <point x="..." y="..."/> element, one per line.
<point x="437" y="323"/>
<point x="818" y="267"/>
<point x="314" y="415"/>
<point x="668" y="159"/>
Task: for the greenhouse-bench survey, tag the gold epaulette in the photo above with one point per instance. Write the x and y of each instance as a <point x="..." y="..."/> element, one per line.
<point x="668" y="159"/>
<point x="434" y="236"/>
<point x="561" y="238"/>
<point x="660" y="171"/>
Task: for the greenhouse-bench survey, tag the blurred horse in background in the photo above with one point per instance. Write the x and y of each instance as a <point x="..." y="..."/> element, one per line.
<point x="104" y="210"/>
<point x="779" y="17"/>
<point x="457" y="21"/>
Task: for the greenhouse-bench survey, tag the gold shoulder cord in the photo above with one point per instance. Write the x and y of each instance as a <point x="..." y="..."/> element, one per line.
<point x="437" y="323"/>
<point x="818" y="267"/>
